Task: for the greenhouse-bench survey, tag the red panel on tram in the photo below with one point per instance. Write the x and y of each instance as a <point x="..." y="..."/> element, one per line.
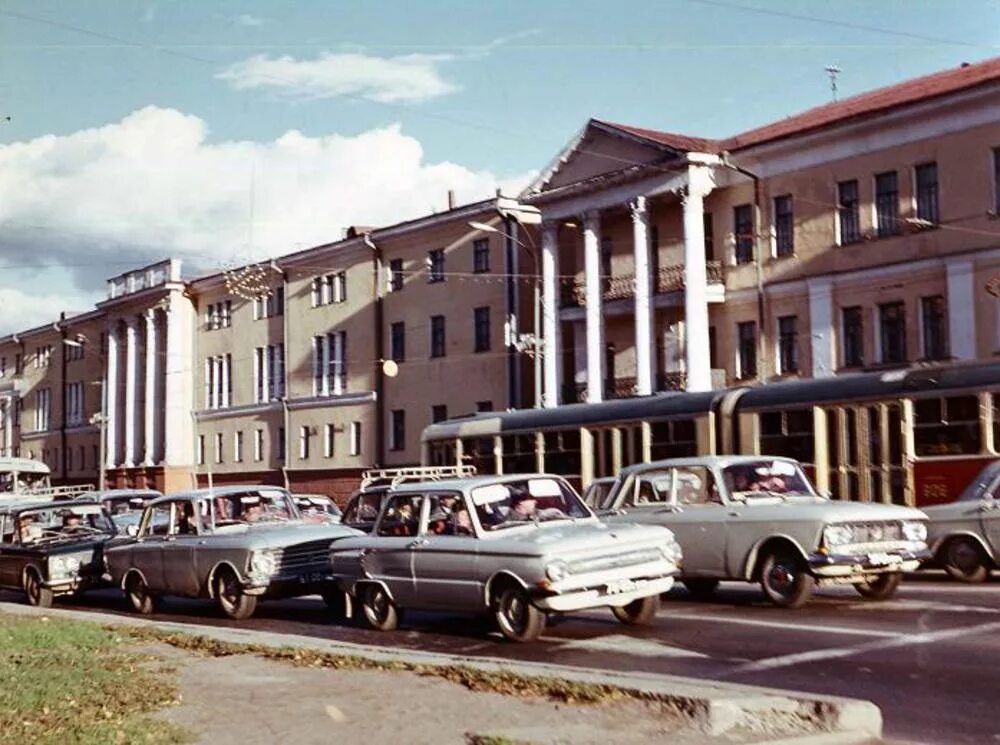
<point x="942" y="481"/>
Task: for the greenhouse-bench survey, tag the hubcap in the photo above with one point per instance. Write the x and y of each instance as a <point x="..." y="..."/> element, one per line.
<point x="964" y="557"/>
<point x="781" y="577"/>
<point x="513" y="612"/>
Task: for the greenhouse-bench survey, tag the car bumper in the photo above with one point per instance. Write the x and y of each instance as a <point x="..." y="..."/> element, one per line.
<point x="289" y="585"/>
<point x="70" y="585"/>
<point x="836" y="566"/>
<point x="617" y="593"/>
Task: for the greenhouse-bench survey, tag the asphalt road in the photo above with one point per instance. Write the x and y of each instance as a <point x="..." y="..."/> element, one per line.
<point x="928" y="658"/>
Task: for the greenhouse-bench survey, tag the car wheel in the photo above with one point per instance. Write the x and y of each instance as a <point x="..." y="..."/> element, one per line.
<point x="138" y="594"/>
<point x="964" y="560"/>
<point x="38" y="596"/>
<point x="639" y="612"/>
<point x="232" y="600"/>
<point x="882" y="587"/>
<point x="378" y="609"/>
<point x="517" y="619"/>
<point x="786" y="580"/>
<point x="701" y="588"/>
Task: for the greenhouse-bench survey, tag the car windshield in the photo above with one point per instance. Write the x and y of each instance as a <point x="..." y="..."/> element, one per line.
<point x="123" y="505"/>
<point x="365" y="507"/>
<point x="597" y="493"/>
<point x="264" y="506"/>
<point x="767" y="476"/>
<point x="59" y="523"/>
<point x="531" y="500"/>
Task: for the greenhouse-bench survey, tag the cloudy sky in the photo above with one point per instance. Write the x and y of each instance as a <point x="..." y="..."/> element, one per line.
<point x="223" y="132"/>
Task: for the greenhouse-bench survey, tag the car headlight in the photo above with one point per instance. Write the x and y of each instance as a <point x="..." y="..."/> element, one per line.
<point x="837" y="535"/>
<point x="264" y="563"/>
<point x="557" y="570"/>
<point x="671" y="551"/>
<point x="73" y="564"/>
<point x="63" y="565"/>
<point x="915" y="531"/>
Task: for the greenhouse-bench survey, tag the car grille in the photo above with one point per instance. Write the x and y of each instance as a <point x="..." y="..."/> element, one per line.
<point x="305" y="556"/>
<point x="883" y="531"/>
<point x="614" y="561"/>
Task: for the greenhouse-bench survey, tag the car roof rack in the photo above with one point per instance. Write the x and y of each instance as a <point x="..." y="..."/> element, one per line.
<point x="394" y="476"/>
<point x="43" y="493"/>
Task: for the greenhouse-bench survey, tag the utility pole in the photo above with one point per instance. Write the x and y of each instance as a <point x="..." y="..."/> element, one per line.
<point x="833" y="71"/>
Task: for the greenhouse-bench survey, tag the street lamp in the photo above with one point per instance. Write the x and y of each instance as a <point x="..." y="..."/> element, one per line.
<point x="100" y="417"/>
<point x="531" y="344"/>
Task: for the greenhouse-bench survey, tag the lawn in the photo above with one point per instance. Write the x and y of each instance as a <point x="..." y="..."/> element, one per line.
<point x="71" y="682"/>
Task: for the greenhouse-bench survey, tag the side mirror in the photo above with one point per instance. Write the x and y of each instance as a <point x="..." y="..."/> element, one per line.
<point x="132" y="530"/>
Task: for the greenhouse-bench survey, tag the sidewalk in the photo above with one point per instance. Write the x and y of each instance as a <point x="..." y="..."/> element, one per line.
<point x="248" y="688"/>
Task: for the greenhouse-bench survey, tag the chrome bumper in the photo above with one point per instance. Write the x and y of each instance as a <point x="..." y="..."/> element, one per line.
<point x="845" y="566"/>
<point x="616" y="593"/>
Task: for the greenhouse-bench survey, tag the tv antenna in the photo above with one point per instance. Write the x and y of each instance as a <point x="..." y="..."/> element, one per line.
<point x="833" y="71"/>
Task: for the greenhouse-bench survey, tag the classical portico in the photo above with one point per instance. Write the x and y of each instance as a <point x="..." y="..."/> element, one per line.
<point x="575" y="199"/>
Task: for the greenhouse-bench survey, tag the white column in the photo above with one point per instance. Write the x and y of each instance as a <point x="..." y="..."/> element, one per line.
<point x="594" y="315"/>
<point x="111" y="400"/>
<point x="131" y="388"/>
<point x="178" y="427"/>
<point x="961" y="310"/>
<point x="8" y="426"/>
<point x="821" y="328"/>
<point x="698" y="363"/>
<point x="552" y="351"/>
<point x="150" y="445"/>
<point x="643" y="305"/>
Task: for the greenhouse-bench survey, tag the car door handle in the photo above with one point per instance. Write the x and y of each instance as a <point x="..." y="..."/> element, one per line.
<point x="734" y="514"/>
<point x="418" y="543"/>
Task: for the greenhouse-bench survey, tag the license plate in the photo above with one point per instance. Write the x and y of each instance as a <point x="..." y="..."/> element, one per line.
<point x="622" y="585"/>
<point x="311" y="578"/>
<point x="882" y="560"/>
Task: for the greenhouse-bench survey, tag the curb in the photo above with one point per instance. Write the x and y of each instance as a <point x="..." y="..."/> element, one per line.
<point x="713" y="707"/>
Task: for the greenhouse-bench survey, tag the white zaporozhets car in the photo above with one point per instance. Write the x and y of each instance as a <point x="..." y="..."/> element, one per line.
<point x="514" y="547"/>
<point x="759" y="519"/>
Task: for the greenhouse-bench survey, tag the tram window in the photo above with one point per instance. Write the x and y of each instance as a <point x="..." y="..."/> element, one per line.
<point x="996" y="421"/>
<point x="793" y="439"/>
<point x="874" y="436"/>
<point x="562" y="452"/>
<point x="442" y="454"/>
<point x="771" y="424"/>
<point x="519" y="454"/>
<point x="478" y="452"/>
<point x="947" y="426"/>
<point x="674" y="439"/>
<point x="851" y="430"/>
<point x="833" y="438"/>
<point x="895" y="435"/>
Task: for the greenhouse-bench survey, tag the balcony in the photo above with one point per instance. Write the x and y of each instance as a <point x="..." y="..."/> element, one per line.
<point x="573" y="292"/>
<point x="624" y="387"/>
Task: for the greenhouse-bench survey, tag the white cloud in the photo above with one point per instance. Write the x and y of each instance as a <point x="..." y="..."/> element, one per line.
<point x="21" y="310"/>
<point x="245" y="19"/>
<point x="410" y="78"/>
<point x="151" y="186"/>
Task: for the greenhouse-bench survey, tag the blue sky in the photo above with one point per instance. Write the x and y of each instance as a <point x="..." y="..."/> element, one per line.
<point x="144" y="128"/>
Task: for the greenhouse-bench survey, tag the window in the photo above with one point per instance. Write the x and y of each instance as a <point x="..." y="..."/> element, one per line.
<point x="18" y="364"/>
<point x="269" y="373"/>
<point x="926" y="179"/>
<point x="743" y="233"/>
<point x="201" y="450"/>
<point x="437" y="336"/>
<point x="339" y="282"/>
<point x="330" y="364"/>
<point x="887" y="204"/>
<point x="258" y="445"/>
<point x="397" y="341"/>
<point x="3" y="367"/>
<point x="74" y="403"/>
<point x="482" y="406"/>
<point x="218" y="447"/>
<point x="933" y="313"/>
<point x="482" y="329"/>
<point x="853" y="333"/>
<point x="355" y="448"/>
<point x="788" y="344"/>
<point x="788" y="433"/>
<point x="746" y="340"/>
<point x="238" y="447"/>
<point x="218" y="315"/>
<point x="481" y="255"/>
<point x="713" y="356"/>
<point x="435" y="265"/>
<point x="996" y="180"/>
<point x="607" y="250"/>
<point x="784" y="226"/>
<point x="439" y="413"/>
<point x="269" y="305"/>
<point x="892" y="322"/>
<point x="218" y="381"/>
<point x="395" y="275"/>
<point x="43" y="356"/>
<point x="281" y="443"/>
<point x="43" y="402"/>
<point x="304" y="435"/>
<point x="674" y="438"/>
<point x="398" y="430"/>
<point x="946" y="426"/>
<point x="849" y="212"/>
<point x="328" y="439"/>
<point x="709" y="231"/>
<point x="73" y="352"/>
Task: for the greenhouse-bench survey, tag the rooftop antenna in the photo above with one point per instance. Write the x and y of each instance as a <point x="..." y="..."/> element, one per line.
<point x="833" y="71"/>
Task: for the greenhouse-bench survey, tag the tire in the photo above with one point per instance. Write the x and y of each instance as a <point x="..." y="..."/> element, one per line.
<point x="515" y="616"/>
<point x="701" y="588"/>
<point x="137" y="592"/>
<point x="882" y="587"/>
<point x="378" y="609"/>
<point x="38" y="596"/>
<point x="785" y="579"/>
<point x="963" y="559"/>
<point x="233" y="602"/>
<point x="639" y="612"/>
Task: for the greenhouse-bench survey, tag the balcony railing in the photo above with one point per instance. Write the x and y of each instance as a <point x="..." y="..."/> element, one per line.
<point x="668" y="279"/>
<point x="625" y="387"/>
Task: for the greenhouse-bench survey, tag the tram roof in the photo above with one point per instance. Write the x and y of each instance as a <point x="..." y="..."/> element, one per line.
<point x="873" y="386"/>
<point x="656" y="406"/>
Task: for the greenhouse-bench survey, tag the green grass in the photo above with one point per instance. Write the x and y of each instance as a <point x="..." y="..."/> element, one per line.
<point x="71" y="682"/>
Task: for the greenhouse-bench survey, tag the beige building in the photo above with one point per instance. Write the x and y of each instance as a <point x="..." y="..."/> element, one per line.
<point x="859" y="235"/>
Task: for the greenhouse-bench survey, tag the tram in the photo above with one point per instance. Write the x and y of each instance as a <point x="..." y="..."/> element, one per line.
<point x="916" y="436"/>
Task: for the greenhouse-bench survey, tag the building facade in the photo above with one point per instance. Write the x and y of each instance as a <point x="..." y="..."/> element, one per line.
<point x="859" y="235"/>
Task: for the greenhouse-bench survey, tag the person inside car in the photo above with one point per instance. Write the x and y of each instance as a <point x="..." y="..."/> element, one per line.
<point x="185" y="520"/>
<point x="71" y="522"/>
<point x="461" y="521"/>
<point x="28" y="529"/>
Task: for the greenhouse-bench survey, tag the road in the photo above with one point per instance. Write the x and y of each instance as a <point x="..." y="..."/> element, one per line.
<point x="928" y="658"/>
